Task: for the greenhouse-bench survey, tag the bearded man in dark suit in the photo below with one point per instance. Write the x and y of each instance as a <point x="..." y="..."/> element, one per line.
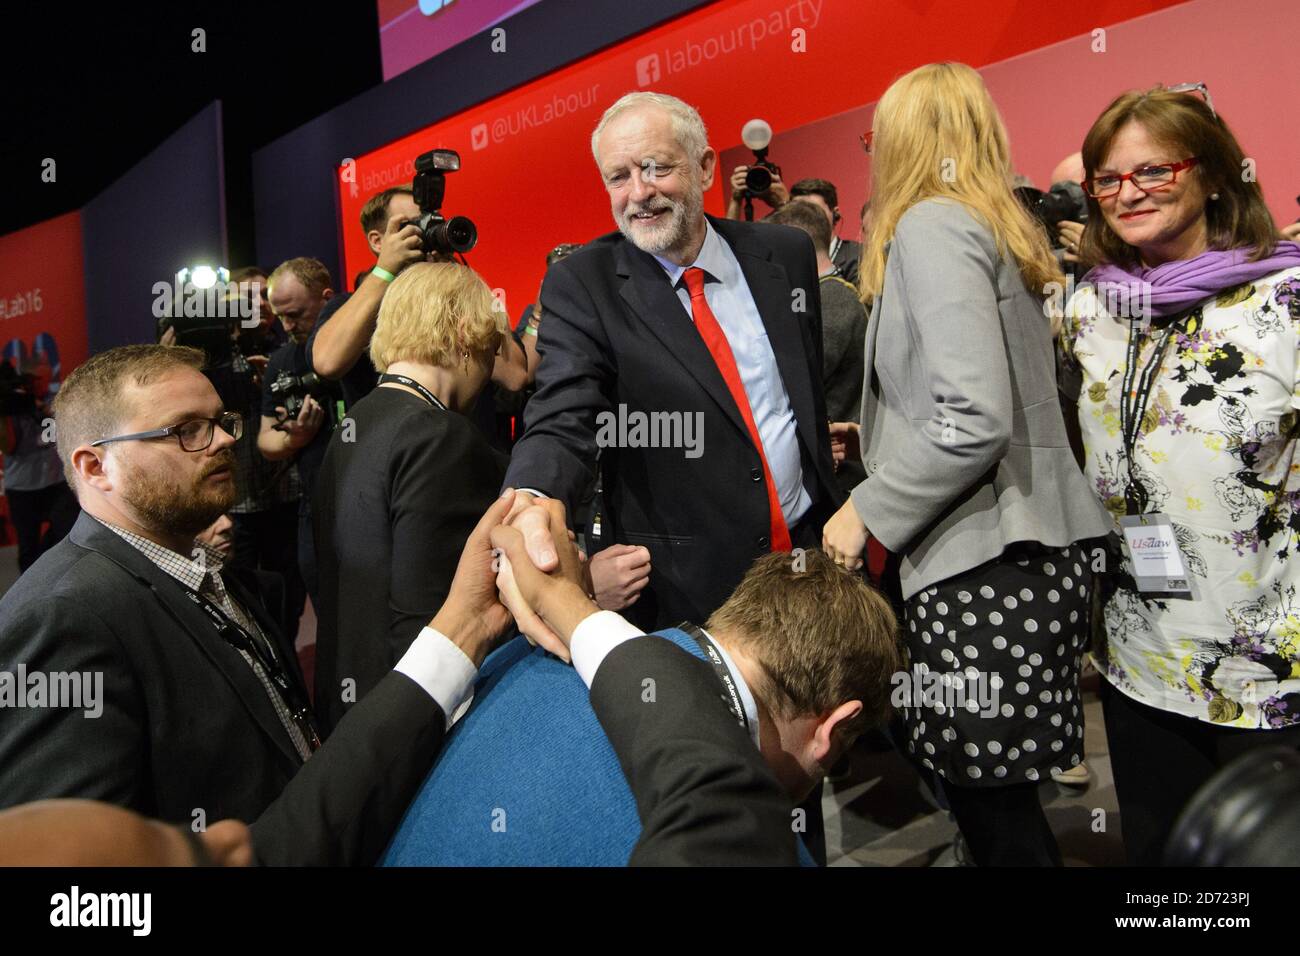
<point x="686" y="351"/>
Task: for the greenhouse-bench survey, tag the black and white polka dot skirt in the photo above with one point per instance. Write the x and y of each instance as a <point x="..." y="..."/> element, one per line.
<point x="991" y="695"/>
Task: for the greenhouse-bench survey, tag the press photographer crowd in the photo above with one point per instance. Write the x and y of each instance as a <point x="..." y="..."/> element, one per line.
<point x="624" y="578"/>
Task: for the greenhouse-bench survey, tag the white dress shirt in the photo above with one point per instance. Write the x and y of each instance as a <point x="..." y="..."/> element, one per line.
<point x="732" y="304"/>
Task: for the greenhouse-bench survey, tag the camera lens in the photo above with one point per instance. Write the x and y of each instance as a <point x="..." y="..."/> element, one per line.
<point x="758" y="179"/>
<point x="458" y="234"/>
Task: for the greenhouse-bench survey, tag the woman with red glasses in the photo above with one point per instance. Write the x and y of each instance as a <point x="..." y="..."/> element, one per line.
<point x="1187" y="332"/>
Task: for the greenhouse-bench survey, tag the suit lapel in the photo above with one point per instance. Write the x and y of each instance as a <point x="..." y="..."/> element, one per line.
<point x="88" y="533"/>
<point x="769" y="284"/>
<point x="648" y="292"/>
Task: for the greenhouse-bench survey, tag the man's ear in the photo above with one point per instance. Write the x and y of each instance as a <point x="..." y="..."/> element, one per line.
<point x="824" y="737"/>
<point x="326" y="295"/>
<point x="708" y="166"/>
<point x="374" y="238"/>
<point x="89" y="465"/>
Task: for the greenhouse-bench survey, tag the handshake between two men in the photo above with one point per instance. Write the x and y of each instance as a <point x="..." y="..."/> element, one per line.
<point x="691" y="745"/>
<point x="634" y="755"/>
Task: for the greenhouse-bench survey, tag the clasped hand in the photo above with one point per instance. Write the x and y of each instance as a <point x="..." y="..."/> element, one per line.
<point x="521" y="564"/>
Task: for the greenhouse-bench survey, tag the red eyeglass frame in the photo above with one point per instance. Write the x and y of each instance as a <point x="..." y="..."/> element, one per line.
<point x="1126" y="177"/>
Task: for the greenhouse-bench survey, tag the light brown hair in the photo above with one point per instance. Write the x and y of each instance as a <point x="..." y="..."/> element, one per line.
<point x="312" y="273"/>
<point x="803" y="215"/>
<point x="1184" y="124"/>
<point x="90" y="405"/>
<point x="374" y="214"/>
<point x="822" y="635"/>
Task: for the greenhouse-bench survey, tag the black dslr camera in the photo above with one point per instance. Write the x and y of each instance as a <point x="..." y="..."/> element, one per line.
<point x="758" y="178"/>
<point x="437" y="233"/>
<point x="757" y="135"/>
<point x="293" y="390"/>
<point x="1065" y="201"/>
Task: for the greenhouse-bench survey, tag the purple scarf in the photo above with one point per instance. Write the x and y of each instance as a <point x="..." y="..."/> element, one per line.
<point x="1171" y="287"/>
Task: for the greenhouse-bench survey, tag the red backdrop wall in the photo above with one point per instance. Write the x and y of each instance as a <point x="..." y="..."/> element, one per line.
<point x="1050" y="96"/>
<point x="528" y="179"/>
<point x="43" y="301"/>
<point x="42" y="287"/>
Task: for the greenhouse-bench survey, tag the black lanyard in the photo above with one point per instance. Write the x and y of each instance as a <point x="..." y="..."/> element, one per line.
<point x="262" y="652"/>
<point x="731" y="692"/>
<point x="1133" y="404"/>
<point x="409" y="382"/>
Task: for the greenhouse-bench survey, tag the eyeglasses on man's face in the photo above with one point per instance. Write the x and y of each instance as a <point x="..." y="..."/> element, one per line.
<point x="195" y="435"/>
<point x="1146" y="178"/>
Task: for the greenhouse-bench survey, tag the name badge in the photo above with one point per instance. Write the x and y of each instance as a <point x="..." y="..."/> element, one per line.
<point x="1153" y="551"/>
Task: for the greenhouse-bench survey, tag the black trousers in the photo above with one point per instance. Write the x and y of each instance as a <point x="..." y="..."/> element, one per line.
<point x="1003" y="826"/>
<point x="28" y="510"/>
<point x="1161" y="759"/>
<point x="268" y="540"/>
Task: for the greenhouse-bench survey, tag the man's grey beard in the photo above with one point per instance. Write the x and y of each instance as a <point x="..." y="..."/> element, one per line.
<point x="673" y="234"/>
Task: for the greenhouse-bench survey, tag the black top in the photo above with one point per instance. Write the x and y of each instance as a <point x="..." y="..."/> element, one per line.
<point x="292" y="357"/>
<point x="847" y="259"/>
<point x="392" y="511"/>
<point x="362" y="377"/>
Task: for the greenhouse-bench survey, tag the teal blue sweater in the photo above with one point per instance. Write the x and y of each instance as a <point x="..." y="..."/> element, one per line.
<point x="527" y="777"/>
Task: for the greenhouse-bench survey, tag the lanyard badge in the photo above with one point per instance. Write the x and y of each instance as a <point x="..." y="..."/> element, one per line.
<point x="1149" y="537"/>
<point x="1158" y="566"/>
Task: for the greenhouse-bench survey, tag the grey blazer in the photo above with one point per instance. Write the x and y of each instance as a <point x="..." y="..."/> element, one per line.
<point x="963" y="440"/>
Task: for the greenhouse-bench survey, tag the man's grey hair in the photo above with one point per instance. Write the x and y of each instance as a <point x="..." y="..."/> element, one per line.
<point x="688" y="127"/>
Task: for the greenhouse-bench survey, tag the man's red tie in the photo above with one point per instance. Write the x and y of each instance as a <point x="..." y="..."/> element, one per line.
<point x="720" y="349"/>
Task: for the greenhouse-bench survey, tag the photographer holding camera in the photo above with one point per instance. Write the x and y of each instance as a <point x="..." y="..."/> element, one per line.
<point x="298" y="408"/>
<point x="775" y="195"/>
<point x="403" y="225"/>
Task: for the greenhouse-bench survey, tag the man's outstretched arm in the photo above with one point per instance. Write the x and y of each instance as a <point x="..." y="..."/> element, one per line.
<point x="703" y="793"/>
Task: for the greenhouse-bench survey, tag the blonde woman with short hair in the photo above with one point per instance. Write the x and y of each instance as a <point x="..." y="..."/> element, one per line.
<point x="406" y="478"/>
<point x="970" y="479"/>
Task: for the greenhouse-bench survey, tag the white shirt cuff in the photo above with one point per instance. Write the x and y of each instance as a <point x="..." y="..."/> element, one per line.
<point x="534" y="492"/>
<point x="442" y="669"/>
<point x="594" y="638"/>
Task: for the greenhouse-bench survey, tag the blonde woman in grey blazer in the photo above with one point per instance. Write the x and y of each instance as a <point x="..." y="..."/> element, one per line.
<point x="970" y="478"/>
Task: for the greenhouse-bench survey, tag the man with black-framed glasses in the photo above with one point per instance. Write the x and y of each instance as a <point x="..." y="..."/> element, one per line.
<point x="151" y="674"/>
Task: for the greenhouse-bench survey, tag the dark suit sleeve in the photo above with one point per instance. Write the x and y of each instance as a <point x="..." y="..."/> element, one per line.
<point x="557" y="454"/>
<point x="92" y="752"/>
<point x="343" y="806"/>
<point x="703" y="793"/>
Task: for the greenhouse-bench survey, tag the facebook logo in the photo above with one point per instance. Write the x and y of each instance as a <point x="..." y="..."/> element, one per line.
<point x="647" y="70"/>
<point x="478" y="136"/>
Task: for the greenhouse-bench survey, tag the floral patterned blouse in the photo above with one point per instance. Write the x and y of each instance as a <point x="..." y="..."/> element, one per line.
<point x="1216" y="452"/>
